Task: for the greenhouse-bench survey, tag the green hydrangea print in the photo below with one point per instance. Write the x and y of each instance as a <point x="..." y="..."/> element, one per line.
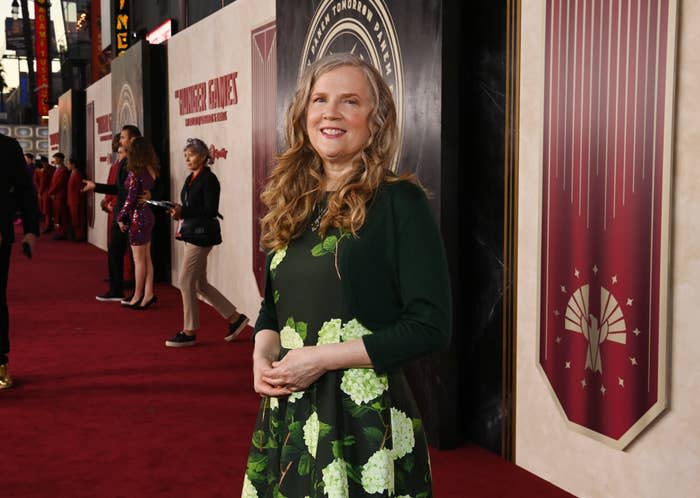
<point x="402" y="437"/>
<point x="354" y="330"/>
<point x="249" y="490"/>
<point x="311" y="432"/>
<point x="290" y="339"/>
<point x="335" y="479"/>
<point x="378" y="473"/>
<point x="363" y="385"/>
<point x="330" y="332"/>
<point x="277" y="258"/>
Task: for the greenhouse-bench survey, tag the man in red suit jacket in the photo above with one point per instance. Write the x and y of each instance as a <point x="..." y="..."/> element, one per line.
<point x="45" y="201"/>
<point x="58" y="191"/>
<point x="76" y="202"/>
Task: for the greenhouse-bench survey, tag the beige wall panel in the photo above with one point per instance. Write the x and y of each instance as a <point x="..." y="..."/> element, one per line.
<point x="219" y="45"/>
<point x="100" y="93"/>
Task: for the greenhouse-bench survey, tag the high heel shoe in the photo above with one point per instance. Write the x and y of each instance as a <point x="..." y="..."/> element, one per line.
<point x="146" y="304"/>
<point x="134" y="305"/>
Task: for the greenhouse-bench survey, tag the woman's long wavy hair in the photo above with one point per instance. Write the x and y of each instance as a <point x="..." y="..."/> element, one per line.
<point x="140" y="156"/>
<point x="294" y="187"/>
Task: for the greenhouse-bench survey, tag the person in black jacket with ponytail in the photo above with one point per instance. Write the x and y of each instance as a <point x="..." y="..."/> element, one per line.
<point x="200" y="231"/>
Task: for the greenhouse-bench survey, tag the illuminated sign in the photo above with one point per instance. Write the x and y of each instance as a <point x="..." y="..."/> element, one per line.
<point x="161" y="33"/>
<point x="41" y="47"/>
<point x="121" y="27"/>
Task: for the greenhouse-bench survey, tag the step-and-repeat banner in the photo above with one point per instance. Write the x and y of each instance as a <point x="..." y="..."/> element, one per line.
<point x="210" y="97"/>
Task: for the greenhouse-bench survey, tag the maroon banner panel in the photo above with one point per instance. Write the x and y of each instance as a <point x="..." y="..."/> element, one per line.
<point x="607" y="120"/>
<point x="264" y="67"/>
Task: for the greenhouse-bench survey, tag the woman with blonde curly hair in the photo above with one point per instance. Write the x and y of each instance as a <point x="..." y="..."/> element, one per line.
<point x="356" y="286"/>
<point x="138" y="220"/>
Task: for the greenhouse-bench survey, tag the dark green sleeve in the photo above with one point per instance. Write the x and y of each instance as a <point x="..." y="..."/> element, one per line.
<point x="424" y="325"/>
<point x="267" y="317"/>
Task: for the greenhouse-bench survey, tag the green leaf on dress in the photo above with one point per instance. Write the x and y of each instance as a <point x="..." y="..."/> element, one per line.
<point x="329" y="243"/>
<point x="323" y="429"/>
<point x="290" y="322"/>
<point x="354" y="473"/>
<point x="349" y="440"/>
<point x="318" y="250"/>
<point x="337" y="449"/>
<point x="373" y="435"/>
<point x="276" y="296"/>
<point x="277" y="494"/>
<point x="304" y="466"/>
<point x="417" y="424"/>
<point x="256" y="463"/>
<point x="301" y="328"/>
<point x="355" y="410"/>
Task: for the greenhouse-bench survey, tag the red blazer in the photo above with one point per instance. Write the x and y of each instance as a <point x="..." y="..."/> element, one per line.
<point x="36" y="178"/>
<point x="59" y="184"/>
<point x="46" y="178"/>
<point x="75" y="183"/>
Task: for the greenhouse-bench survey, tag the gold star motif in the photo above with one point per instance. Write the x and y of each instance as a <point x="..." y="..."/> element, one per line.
<point x="563" y="289"/>
<point x="567" y="364"/>
<point x="583" y="383"/>
<point x="636" y="331"/>
<point x="614" y="279"/>
<point x="556" y="312"/>
<point x="602" y="390"/>
<point x="595" y="269"/>
<point x="558" y="339"/>
<point x="621" y="382"/>
<point x="633" y="360"/>
<point x="576" y="273"/>
<point x="630" y="301"/>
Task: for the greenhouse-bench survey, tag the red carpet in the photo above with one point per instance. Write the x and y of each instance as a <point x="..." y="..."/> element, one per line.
<point x="101" y="408"/>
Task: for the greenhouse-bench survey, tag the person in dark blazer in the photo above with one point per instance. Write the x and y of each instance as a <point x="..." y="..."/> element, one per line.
<point x="17" y="193"/>
<point x="118" y="240"/>
<point x="199" y="230"/>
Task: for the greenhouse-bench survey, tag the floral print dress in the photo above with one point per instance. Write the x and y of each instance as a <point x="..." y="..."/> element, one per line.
<point x="353" y="433"/>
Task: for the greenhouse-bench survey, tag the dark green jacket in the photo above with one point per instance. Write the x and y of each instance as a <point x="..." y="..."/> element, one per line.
<point x="394" y="277"/>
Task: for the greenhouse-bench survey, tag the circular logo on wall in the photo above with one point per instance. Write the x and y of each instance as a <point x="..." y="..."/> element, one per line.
<point x="126" y="107"/>
<point x="364" y="28"/>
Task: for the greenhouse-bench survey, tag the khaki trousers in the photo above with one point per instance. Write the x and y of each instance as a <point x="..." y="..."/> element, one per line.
<point x="193" y="282"/>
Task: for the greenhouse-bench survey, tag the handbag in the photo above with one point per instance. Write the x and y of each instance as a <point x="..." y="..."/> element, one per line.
<point x="200" y="231"/>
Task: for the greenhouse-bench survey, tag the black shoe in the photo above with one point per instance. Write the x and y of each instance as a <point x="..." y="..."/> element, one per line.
<point x="110" y="296"/>
<point x="127" y="302"/>
<point x="181" y="340"/>
<point x="236" y="328"/>
<point x="142" y="306"/>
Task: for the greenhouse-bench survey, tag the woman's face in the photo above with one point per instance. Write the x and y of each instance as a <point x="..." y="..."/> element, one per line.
<point x="121" y="153"/>
<point x="193" y="160"/>
<point x="337" y="115"/>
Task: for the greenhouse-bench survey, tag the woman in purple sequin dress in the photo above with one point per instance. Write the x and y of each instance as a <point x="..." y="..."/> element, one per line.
<point x="137" y="218"/>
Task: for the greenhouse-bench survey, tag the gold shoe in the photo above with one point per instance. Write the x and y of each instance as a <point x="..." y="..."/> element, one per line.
<point x="5" y="379"/>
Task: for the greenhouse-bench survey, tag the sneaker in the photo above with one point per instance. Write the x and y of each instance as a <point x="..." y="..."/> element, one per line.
<point x="109" y="296"/>
<point x="181" y="340"/>
<point x="5" y="379"/>
<point x="236" y="328"/>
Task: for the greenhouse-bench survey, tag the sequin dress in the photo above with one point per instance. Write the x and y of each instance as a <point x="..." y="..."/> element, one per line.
<point x="352" y="433"/>
<point x="137" y="215"/>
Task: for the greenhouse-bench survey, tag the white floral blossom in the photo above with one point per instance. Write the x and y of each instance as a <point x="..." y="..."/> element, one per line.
<point x="335" y="479"/>
<point x="378" y="473"/>
<point x="295" y="396"/>
<point x="277" y="258"/>
<point x="330" y="332"/>
<point x="402" y="437"/>
<point x="363" y="385"/>
<point x="249" y="490"/>
<point x="274" y="403"/>
<point x="311" y="432"/>
<point x="290" y="339"/>
<point x="354" y="330"/>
